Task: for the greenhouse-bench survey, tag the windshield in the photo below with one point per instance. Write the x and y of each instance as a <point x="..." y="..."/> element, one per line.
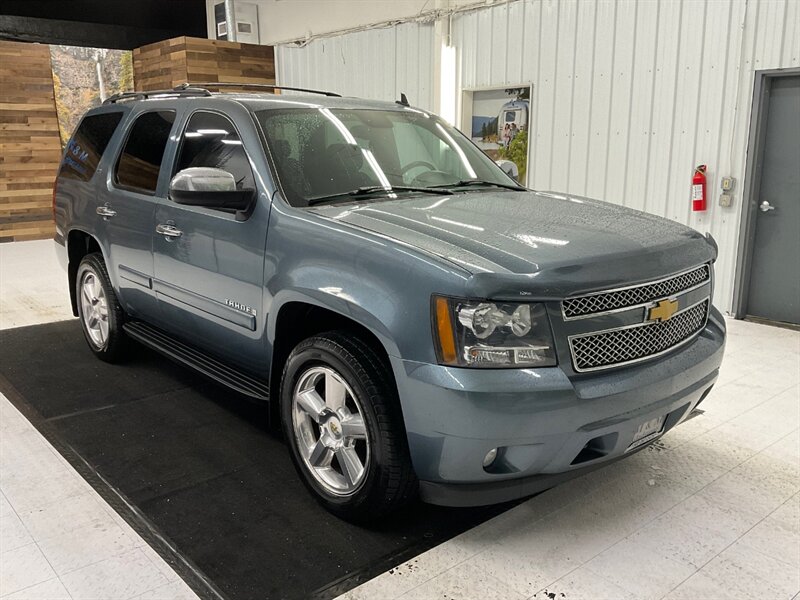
<point x="326" y="154"/>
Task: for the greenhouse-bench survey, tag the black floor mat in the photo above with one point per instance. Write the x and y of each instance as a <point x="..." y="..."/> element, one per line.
<point x="200" y="466"/>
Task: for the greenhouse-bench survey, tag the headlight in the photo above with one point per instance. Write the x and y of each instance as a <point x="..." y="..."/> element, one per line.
<point x="478" y="333"/>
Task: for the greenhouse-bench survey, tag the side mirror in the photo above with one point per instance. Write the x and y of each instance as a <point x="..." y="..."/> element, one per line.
<point x="211" y="188"/>
<point x="509" y="168"/>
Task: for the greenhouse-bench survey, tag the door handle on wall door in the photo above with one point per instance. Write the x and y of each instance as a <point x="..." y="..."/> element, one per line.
<point x="168" y="230"/>
<point x="765" y="206"/>
<point x="105" y="211"/>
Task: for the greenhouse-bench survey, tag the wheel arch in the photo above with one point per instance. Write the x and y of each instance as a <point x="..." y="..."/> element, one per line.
<point x="300" y="316"/>
<point x="79" y="244"/>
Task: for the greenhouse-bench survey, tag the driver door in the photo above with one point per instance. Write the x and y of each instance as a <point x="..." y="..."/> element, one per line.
<point x="209" y="264"/>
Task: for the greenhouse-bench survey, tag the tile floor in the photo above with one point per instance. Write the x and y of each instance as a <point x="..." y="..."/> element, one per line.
<point x="710" y="511"/>
<point x="33" y="286"/>
<point x="58" y="538"/>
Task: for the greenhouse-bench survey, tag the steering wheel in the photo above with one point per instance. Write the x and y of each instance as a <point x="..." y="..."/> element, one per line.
<point x="415" y="164"/>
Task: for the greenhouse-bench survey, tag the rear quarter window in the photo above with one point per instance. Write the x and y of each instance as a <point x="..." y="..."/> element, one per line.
<point x="86" y="148"/>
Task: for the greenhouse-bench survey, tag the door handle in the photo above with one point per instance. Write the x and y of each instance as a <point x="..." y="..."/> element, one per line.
<point x="168" y="230"/>
<point x="105" y="211"/>
<point x="765" y="206"/>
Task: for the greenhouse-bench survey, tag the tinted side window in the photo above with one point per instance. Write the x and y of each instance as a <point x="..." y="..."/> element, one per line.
<point x="211" y="140"/>
<point x="87" y="145"/>
<point x="140" y="162"/>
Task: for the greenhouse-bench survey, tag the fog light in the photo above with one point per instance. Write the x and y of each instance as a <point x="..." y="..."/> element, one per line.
<point x="489" y="458"/>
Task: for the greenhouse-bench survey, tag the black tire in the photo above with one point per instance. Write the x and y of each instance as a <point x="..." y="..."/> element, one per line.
<point x="389" y="481"/>
<point x="115" y="345"/>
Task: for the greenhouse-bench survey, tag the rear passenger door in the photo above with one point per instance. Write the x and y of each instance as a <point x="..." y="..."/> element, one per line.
<point x="127" y="209"/>
<point x="209" y="270"/>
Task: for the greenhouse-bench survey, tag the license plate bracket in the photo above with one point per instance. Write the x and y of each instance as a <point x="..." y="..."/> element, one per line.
<point x="647" y="431"/>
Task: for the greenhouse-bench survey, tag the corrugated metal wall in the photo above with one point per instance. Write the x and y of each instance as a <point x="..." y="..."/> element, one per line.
<point x="377" y="64"/>
<point x="630" y="95"/>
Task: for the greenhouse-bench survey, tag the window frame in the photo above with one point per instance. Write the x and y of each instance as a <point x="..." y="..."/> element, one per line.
<point x="182" y="138"/>
<point x="109" y="147"/>
<point x="129" y="125"/>
<point x="272" y="162"/>
<point x="277" y="184"/>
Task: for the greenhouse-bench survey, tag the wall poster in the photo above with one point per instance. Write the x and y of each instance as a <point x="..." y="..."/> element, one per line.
<point x="498" y="121"/>
<point x="83" y="78"/>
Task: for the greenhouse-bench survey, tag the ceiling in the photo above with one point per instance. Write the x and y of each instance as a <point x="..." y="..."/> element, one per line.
<point x="101" y="23"/>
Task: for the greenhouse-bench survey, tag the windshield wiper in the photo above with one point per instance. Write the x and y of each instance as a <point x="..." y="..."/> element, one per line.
<point x="468" y="182"/>
<point x="373" y="190"/>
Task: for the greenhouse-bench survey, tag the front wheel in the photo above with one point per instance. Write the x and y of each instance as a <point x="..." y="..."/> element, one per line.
<point x="99" y="311"/>
<point x="345" y="431"/>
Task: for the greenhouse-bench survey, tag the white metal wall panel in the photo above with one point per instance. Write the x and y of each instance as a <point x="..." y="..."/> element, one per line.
<point x="377" y="64"/>
<point x="629" y="96"/>
<point x="640" y="99"/>
<point x="563" y="96"/>
<point x="665" y="96"/>
<point x="791" y="34"/>
<point x="599" y="100"/>
<point x="580" y="129"/>
<point x="546" y="96"/>
<point x="622" y="97"/>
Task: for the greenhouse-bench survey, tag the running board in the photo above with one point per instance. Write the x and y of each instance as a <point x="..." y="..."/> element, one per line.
<point x="210" y="367"/>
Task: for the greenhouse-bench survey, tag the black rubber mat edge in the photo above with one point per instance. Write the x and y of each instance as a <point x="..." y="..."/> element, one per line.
<point x="199" y="583"/>
<point x="351" y="581"/>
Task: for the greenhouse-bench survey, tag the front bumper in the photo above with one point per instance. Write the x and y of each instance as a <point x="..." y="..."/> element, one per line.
<point x="549" y="427"/>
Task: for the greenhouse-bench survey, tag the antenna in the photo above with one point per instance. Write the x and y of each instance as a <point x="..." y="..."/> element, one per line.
<point x="403" y="100"/>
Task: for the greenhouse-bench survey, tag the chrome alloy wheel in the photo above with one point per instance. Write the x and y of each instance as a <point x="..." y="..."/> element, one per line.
<point x="329" y="430"/>
<point x="94" y="309"/>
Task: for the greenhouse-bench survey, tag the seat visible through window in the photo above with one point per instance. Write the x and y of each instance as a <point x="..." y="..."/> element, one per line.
<point x="211" y="140"/>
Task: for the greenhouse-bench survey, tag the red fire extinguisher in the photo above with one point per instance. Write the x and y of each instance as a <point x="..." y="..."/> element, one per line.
<point x="699" y="188"/>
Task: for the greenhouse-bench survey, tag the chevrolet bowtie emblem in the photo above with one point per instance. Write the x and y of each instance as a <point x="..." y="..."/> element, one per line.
<point x="663" y="311"/>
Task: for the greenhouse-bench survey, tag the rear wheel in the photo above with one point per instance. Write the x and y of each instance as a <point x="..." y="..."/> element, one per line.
<point x="345" y="431"/>
<point x="99" y="311"/>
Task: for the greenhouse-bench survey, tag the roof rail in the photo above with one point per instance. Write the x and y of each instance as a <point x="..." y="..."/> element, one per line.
<point x="178" y="92"/>
<point x="266" y="86"/>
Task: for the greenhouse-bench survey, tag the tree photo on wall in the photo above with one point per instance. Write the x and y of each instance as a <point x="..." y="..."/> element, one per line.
<point x="517" y="152"/>
<point x="83" y="78"/>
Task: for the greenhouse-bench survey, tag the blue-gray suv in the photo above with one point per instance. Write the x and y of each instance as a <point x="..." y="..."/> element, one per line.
<point x="419" y="323"/>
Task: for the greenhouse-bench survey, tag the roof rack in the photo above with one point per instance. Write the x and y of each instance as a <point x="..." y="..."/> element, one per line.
<point x="178" y="92"/>
<point x="266" y="86"/>
<point x="194" y="90"/>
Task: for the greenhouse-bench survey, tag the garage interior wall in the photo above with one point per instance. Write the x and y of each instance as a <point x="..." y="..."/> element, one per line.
<point x="281" y="21"/>
<point x="168" y="63"/>
<point x="628" y="97"/>
<point x="377" y="64"/>
<point x="30" y="147"/>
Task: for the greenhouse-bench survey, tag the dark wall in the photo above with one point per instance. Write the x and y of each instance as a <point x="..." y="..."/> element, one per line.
<point x="124" y="24"/>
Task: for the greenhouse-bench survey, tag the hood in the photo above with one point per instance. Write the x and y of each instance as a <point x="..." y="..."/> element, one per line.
<point x="559" y="244"/>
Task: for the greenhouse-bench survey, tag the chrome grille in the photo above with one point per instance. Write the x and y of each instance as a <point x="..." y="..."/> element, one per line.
<point x="629" y="344"/>
<point x="635" y="295"/>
